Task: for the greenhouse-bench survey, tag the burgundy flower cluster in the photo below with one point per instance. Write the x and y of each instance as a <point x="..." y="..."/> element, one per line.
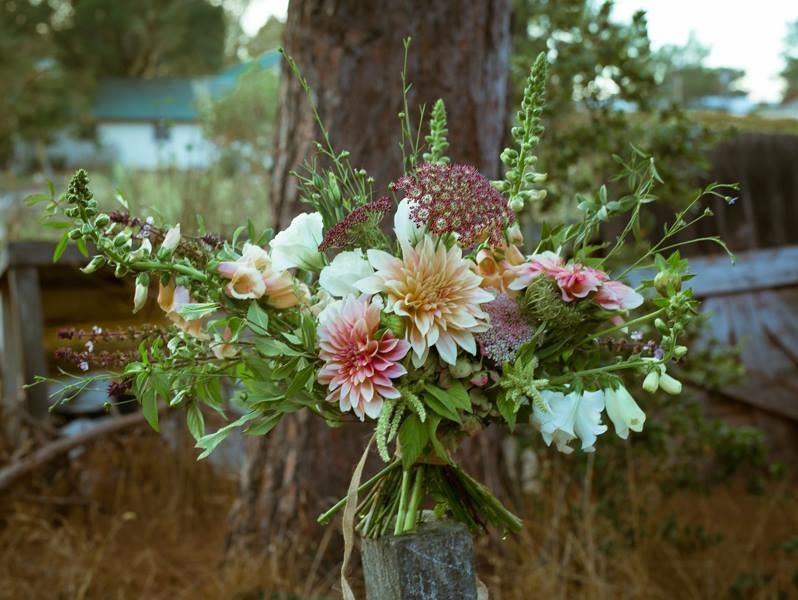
<point x="457" y="199"/>
<point x="346" y="234"/>
<point x="96" y="333"/>
<point x="86" y="359"/>
<point x="508" y="332"/>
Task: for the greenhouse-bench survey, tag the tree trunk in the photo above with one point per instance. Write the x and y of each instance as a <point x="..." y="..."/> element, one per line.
<point x="351" y="54"/>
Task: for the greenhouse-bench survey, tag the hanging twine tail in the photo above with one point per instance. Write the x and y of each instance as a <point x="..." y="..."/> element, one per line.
<point x="348" y="520"/>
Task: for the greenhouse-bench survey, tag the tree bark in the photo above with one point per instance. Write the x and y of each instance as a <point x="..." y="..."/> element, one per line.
<point x="350" y="51"/>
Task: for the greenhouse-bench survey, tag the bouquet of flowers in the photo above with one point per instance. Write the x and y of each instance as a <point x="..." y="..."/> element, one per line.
<point x="431" y="329"/>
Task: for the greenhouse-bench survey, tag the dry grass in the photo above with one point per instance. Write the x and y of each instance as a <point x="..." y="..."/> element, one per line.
<point x="133" y="518"/>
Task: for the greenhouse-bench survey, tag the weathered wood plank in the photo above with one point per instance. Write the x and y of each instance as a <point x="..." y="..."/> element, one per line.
<point x="26" y="307"/>
<point x="754" y="270"/>
<point x="10" y="365"/>
<point x="40" y="254"/>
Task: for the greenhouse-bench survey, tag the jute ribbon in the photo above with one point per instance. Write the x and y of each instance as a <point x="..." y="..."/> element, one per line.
<point x="348" y="520"/>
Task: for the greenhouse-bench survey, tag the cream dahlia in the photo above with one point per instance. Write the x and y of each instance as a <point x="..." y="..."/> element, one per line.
<point x="437" y="292"/>
<point x="359" y="366"/>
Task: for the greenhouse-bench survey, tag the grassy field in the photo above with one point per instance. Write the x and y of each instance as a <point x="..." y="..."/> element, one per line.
<point x="134" y="518"/>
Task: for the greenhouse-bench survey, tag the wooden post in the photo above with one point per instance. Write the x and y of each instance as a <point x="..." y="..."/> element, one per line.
<point x="437" y="563"/>
<point x="11" y="365"/>
<point x="26" y="316"/>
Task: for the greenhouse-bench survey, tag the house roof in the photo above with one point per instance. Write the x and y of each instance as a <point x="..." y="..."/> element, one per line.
<point x="168" y="99"/>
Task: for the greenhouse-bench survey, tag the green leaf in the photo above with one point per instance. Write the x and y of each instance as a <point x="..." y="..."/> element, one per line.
<point x="121" y="199"/>
<point x="149" y="406"/>
<point x="195" y="420"/>
<point x="209" y="441"/>
<point x="60" y="247"/>
<point x="441" y="408"/>
<point x="508" y="410"/>
<point x="197" y="310"/>
<point x="413" y="439"/>
<point x="460" y="396"/>
<point x="432" y="429"/>
<point x="272" y="347"/>
<point x="300" y="380"/>
<point x="34" y="199"/>
<point x="264" y="426"/>
<point x="81" y="244"/>
<point x="451" y="401"/>
<point x="257" y="319"/>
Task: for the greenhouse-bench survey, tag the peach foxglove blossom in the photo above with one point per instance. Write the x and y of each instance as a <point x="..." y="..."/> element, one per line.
<point x="283" y="290"/>
<point x="359" y="367"/>
<point x="246" y="282"/>
<point x="546" y="263"/>
<point x="497" y="266"/>
<point x="623" y="411"/>
<point x="570" y="416"/>
<point x="171" y="239"/>
<point x="614" y="295"/>
<point x="298" y="245"/>
<point x="438" y="294"/>
<point x="221" y="346"/>
<point x="170" y="298"/>
<point x="339" y="277"/>
<point x="252" y="276"/>
<point x="577" y="281"/>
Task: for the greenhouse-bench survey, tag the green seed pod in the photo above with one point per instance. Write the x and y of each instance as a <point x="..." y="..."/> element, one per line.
<point x="666" y="279"/>
<point x="120" y="239"/>
<point x="75" y="234"/>
<point x="393" y="323"/>
<point x="94" y="264"/>
<point x="102" y="220"/>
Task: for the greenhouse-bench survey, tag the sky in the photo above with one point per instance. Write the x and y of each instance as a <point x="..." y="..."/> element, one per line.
<point x="740" y="33"/>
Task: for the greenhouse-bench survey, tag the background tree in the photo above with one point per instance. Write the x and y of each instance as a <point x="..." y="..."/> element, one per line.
<point x="790" y="72"/>
<point x="147" y="38"/>
<point x="604" y="90"/>
<point x="38" y="97"/>
<point x="351" y="54"/>
<point x="686" y="78"/>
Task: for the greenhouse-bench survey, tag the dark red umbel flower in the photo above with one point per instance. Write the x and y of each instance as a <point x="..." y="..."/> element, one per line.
<point x="456" y="199"/>
<point x="349" y="233"/>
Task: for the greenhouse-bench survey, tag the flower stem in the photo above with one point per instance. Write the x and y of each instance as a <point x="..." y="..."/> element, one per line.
<point x="325" y="516"/>
<point x="400" y="515"/>
<point x="415" y="501"/>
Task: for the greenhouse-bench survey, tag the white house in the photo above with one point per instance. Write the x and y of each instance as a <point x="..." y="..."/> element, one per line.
<point x="152" y="123"/>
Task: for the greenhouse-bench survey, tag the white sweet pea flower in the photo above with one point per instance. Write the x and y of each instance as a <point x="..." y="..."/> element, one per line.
<point x="623" y="411"/>
<point x="298" y="246"/>
<point x="347" y="268"/>
<point x="570" y="416"/>
<point x="406" y="230"/>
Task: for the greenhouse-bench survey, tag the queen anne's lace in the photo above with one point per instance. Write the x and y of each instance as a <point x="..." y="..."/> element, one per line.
<point x="457" y="199"/>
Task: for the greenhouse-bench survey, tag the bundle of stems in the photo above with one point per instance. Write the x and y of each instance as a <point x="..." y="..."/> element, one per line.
<point x="394" y="500"/>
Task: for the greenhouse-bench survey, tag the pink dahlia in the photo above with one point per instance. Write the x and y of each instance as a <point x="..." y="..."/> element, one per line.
<point x="546" y="263"/>
<point x="457" y="199"/>
<point x="614" y="295"/>
<point x="577" y="281"/>
<point x="359" y="366"/>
